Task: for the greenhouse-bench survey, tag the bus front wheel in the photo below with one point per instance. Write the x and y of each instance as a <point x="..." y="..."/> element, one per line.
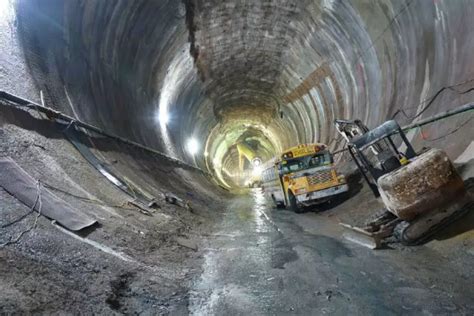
<point x="277" y="203"/>
<point x="293" y="205"/>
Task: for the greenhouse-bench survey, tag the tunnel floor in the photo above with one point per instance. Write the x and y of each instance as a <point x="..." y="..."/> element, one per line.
<point x="232" y="254"/>
<point x="146" y="119"/>
<point x="130" y="263"/>
<point x="267" y="261"/>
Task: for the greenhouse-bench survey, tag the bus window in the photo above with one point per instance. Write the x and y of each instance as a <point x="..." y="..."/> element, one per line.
<point x="306" y="162"/>
<point x="269" y="174"/>
<point x="293" y="165"/>
<point x="320" y="159"/>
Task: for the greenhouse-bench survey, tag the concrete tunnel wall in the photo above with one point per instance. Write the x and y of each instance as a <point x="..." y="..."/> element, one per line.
<point x="273" y="72"/>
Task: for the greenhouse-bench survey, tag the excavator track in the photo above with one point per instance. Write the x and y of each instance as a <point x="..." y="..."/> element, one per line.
<point x="403" y="229"/>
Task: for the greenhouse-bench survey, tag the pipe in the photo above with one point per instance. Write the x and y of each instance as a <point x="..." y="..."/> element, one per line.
<point x="56" y="115"/>
<point x="440" y="116"/>
<point x="429" y="120"/>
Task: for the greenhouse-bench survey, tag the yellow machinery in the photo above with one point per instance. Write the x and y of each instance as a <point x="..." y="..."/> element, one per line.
<point x="245" y="152"/>
<point x="252" y="177"/>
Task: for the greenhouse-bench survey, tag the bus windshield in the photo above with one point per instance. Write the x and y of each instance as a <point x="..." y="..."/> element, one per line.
<point x="306" y="162"/>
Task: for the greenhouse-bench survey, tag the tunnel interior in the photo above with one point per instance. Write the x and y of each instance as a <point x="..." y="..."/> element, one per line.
<point x="148" y="117"/>
<point x="210" y="74"/>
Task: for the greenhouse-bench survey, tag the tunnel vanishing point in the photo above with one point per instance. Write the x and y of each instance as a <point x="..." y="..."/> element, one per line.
<point x="185" y="87"/>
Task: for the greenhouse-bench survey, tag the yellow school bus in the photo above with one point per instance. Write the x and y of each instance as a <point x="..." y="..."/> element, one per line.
<point x="303" y="175"/>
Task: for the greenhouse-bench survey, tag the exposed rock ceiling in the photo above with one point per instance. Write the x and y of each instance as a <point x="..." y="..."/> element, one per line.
<point x="239" y="48"/>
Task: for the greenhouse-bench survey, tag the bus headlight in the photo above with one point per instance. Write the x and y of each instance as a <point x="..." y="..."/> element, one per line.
<point x="341" y="179"/>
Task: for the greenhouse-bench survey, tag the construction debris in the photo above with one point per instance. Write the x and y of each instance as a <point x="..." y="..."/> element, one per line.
<point x="173" y="199"/>
<point x="186" y="243"/>
<point x="143" y="209"/>
<point x="21" y="185"/>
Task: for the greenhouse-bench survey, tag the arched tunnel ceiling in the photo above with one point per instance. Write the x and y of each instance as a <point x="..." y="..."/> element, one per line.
<point x="282" y="70"/>
<point x="239" y="48"/>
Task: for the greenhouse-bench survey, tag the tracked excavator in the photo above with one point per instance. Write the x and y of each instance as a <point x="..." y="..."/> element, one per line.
<point x="422" y="192"/>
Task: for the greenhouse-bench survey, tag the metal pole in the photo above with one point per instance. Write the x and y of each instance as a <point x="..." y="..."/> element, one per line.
<point x="437" y="117"/>
<point x="429" y="120"/>
<point x="53" y="114"/>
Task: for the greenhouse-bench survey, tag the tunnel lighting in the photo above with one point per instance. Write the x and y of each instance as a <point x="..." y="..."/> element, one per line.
<point x="163" y="116"/>
<point x="257" y="171"/>
<point x="6" y="8"/>
<point x="164" y="119"/>
<point x="192" y="146"/>
<point x="256" y="162"/>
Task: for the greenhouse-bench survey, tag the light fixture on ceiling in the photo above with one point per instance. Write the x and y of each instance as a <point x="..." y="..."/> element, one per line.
<point x="192" y="146"/>
<point x="162" y="116"/>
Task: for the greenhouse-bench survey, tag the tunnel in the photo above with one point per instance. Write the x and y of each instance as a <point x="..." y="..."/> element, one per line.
<point x="195" y="81"/>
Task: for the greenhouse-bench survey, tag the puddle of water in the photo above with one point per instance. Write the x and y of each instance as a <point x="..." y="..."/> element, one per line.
<point x="260" y="208"/>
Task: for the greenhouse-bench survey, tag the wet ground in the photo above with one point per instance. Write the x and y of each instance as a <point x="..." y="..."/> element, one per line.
<point x="264" y="261"/>
<point x="227" y="255"/>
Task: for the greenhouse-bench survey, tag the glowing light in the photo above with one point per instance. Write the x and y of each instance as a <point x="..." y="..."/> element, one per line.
<point x="162" y="116"/>
<point x="206" y="154"/>
<point x="256" y="162"/>
<point x="6" y="8"/>
<point x="192" y="146"/>
<point x="257" y="171"/>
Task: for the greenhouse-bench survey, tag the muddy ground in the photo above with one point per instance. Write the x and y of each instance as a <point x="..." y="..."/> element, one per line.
<point x="228" y="254"/>
<point x="131" y="262"/>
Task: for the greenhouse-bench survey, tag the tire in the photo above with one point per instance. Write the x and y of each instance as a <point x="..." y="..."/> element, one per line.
<point x="277" y="204"/>
<point x="292" y="201"/>
<point x="274" y="201"/>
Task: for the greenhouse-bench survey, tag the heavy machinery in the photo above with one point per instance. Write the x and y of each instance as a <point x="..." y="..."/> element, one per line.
<point x="422" y="192"/>
<point x="251" y="176"/>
